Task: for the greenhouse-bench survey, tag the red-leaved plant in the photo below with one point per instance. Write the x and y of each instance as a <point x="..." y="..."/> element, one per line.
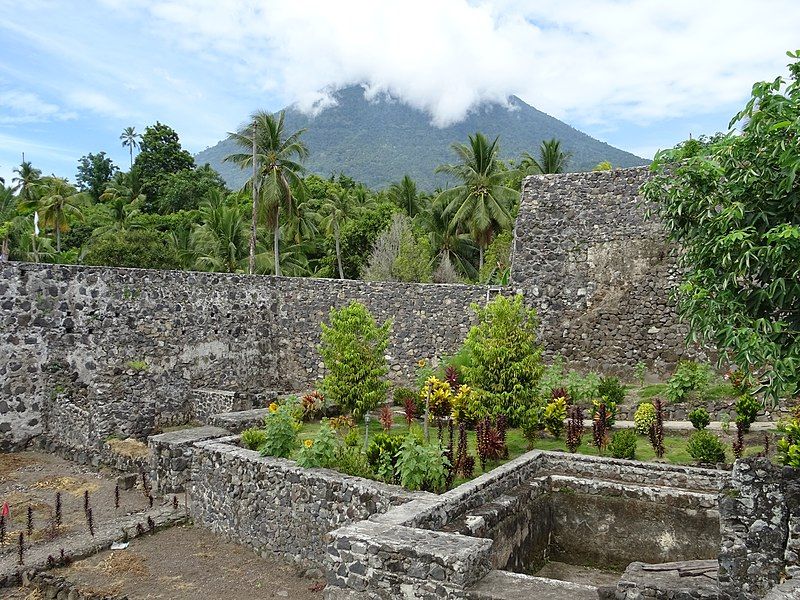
<point x="386" y="417"/>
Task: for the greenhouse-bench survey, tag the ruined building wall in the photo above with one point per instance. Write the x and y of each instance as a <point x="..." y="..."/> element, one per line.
<point x="87" y="352"/>
<point x="599" y="272"/>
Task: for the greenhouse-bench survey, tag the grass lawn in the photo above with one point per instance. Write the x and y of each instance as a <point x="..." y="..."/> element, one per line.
<point x="676" y="452"/>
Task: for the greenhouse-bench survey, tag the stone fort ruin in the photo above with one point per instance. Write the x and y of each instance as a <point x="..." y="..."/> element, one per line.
<point x="86" y="353"/>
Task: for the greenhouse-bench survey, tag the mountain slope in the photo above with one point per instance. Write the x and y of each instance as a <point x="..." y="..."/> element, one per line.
<point x="378" y="142"/>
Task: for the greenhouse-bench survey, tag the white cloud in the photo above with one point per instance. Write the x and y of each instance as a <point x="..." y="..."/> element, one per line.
<point x="586" y="60"/>
<point x="96" y="102"/>
<point x="20" y="107"/>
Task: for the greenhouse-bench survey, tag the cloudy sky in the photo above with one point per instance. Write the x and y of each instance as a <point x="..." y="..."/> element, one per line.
<point x="640" y="74"/>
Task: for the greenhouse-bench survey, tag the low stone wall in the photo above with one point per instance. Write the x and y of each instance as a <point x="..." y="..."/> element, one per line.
<point x="511" y="516"/>
<point x="207" y="402"/>
<point x="277" y="507"/>
<point x="172" y="454"/>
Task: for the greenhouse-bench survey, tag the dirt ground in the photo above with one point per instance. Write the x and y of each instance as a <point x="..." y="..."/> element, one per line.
<point x="187" y="563"/>
<point x="33" y="479"/>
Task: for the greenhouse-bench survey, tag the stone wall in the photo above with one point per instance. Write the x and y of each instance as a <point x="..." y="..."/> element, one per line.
<point x="759" y="516"/>
<point x="599" y="272"/>
<point x="501" y="520"/>
<point x="277" y="507"/>
<point x="86" y="352"/>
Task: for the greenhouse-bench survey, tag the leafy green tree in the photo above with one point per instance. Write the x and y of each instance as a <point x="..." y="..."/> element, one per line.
<point x="138" y="248"/>
<point x="58" y="204"/>
<point x="130" y="140"/>
<point x="274" y="158"/>
<point x="187" y="189"/>
<point x="126" y="187"/>
<point x="353" y="349"/>
<point x="398" y="255"/>
<point x="160" y="154"/>
<point x="551" y="159"/>
<point x="603" y="166"/>
<point x="481" y="202"/>
<point x="506" y="357"/>
<point x="733" y="205"/>
<point x="498" y="260"/>
<point x="404" y="193"/>
<point x="358" y="236"/>
<point x="94" y="173"/>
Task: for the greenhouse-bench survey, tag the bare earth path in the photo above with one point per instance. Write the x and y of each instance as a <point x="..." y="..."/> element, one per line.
<point x="188" y="563"/>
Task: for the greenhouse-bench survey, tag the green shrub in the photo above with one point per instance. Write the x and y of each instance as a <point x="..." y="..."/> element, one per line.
<point x="469" y="406"/>
<point x="623" y="444"/>
<point x="351" y="460"/>
<point x="699" y="418"/>
<point x="421" y="467"/>
<point x="253" y="438"/>
<point x="382" y="455"/>
<point x="688" y="377"/>
<point x="645" y="417"/>
<point x="506" y="355"/>
<point x="321" y="451"/>
<point x="582" y="388"/>
<point x="789" y="444"/>
<point x="401" y="394"/>
<point x="747" y="408"/>
<point x="554" y="415"/>
<point x="705" y="447"/>
<point x="533" y="422"/>
<point x="280" y="427"/>
<point x="611" y="389"/>
<point x="353" y="349"/>
<point x="552" y="377"/>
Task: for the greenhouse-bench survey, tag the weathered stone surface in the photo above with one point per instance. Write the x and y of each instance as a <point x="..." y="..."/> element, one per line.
<point x="277" y="507"/>
<point x="87" y="352"/>
<point x="757" y="509"/>
<point x="695" y="580"/>
<point x="599" y="272"/>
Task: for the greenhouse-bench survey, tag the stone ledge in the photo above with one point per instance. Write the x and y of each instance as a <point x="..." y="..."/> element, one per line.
<point x="502" y="585"/>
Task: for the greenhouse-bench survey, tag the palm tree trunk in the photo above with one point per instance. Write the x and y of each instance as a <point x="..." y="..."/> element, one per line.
<point x="254" y="222"/>
<point x="131" y="150"/>
<point x="275" y="248"/>
<point x="480" y="257"/>
<point x="58" y="237"/>
<point x="338" y="251"/>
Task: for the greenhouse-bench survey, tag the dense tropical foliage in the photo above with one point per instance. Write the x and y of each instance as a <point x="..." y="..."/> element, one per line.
<point x="164" y="211"/>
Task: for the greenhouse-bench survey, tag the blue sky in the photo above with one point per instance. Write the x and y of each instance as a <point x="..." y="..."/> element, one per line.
<point x="640" y="74"/>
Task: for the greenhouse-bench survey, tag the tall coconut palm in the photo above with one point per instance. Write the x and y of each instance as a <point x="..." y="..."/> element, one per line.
<point x="26" y="181"/>
<point x="130" y="140"/>
<point x="337" y="210"/>
<point x="481" y="202"/>
<point x="58" y="204"/>
<point x="551" y="159"/>
<point x="404" y="193"/>
<point x="275" y="159"/>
